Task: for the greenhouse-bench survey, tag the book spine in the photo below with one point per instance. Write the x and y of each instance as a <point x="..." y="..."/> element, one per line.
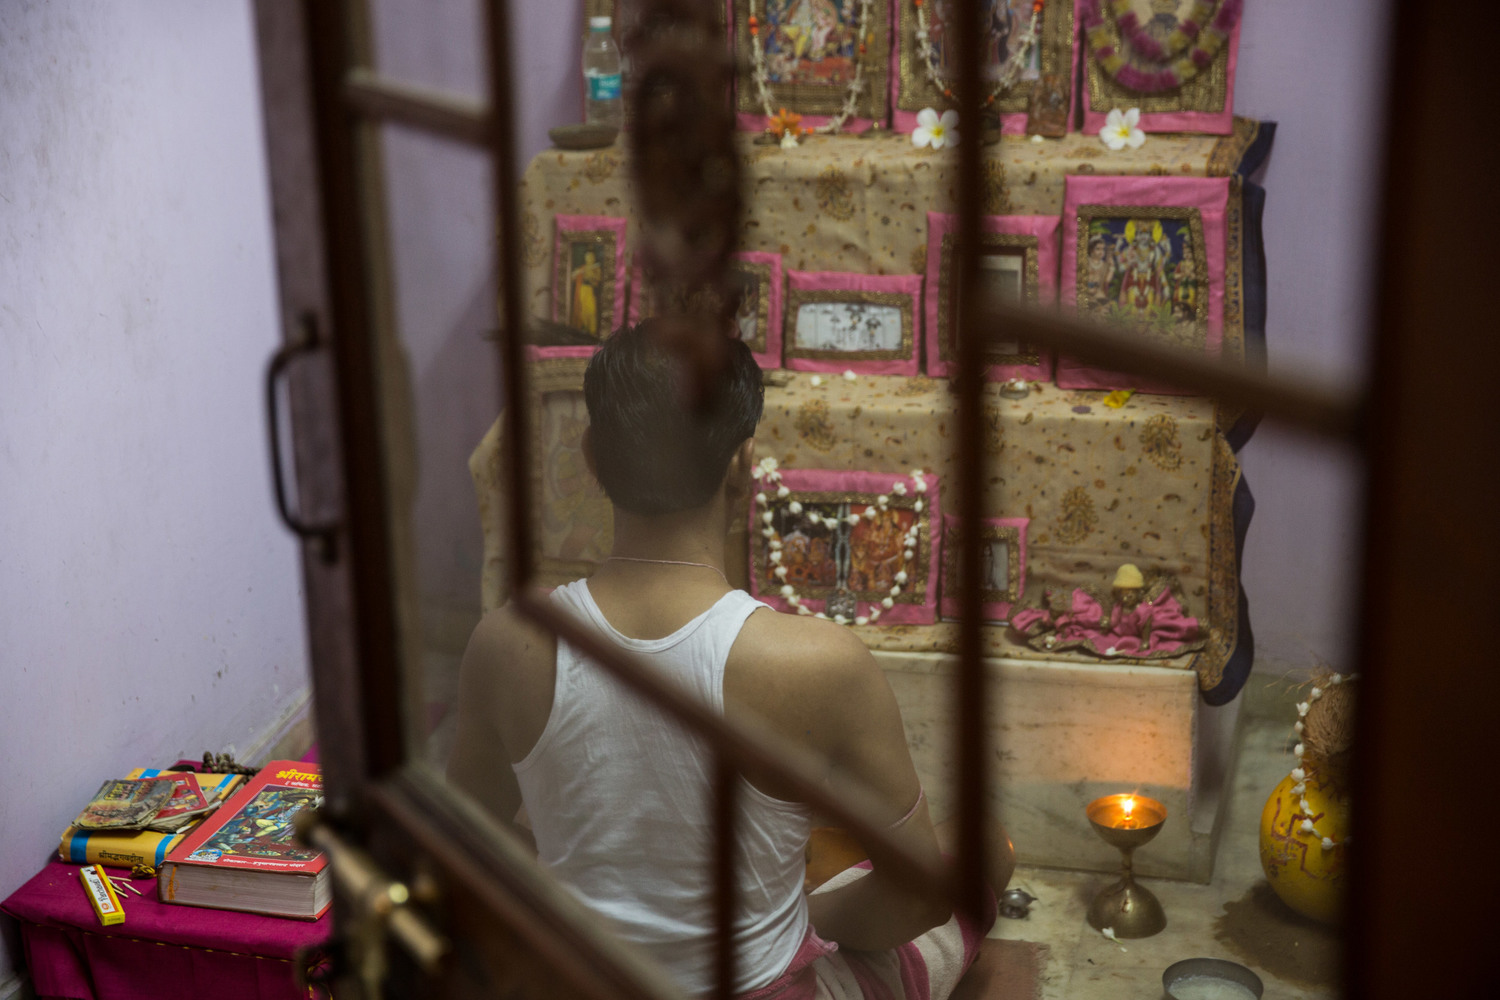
<point x="80" y="847"/>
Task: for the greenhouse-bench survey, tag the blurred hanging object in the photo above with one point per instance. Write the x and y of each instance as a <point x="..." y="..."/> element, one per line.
<point x="686" y="177"/>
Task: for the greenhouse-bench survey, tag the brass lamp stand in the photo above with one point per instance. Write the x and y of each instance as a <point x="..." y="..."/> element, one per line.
<point x="1126" y="822"/>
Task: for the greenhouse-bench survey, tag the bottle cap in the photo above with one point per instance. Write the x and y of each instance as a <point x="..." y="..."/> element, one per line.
<point x="599" y="23"/>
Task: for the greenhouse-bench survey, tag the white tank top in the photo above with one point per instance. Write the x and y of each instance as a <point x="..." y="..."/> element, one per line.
<point x="620" y="796"/>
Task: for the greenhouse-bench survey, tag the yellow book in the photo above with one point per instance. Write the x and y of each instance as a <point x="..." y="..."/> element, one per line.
<point x="120" y="850"/>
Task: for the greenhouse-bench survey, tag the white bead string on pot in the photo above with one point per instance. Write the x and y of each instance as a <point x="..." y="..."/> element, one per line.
<point x="856" y="84"/>
<point x="768" y="475"/>
<point x="1300" y="772"/>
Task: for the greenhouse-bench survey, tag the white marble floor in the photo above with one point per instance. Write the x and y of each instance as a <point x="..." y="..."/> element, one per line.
<point x="1235" y="917"/>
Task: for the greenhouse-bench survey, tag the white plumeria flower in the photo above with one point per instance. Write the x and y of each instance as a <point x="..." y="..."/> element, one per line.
<point x="1122" y="129"/>
<point x="794" y="507"/>
<point x="1299" y="775"/>
<point x="1307" y="826"/>
<point x="935" y="130"/>
<point x="1328" y="844"/>
<point x="782" y="492"/>
<point x="899" y="489"/>
<point x="769" y="464"/>
<point x="886" y="602"/>
<point x="849" y="375"/>
<point x="816" y="380"/>
<point x="861" y="620"/>
<point x="787" y="591"/>
<point x="1315" y="694"/>
<point x="768" y="517"/>
<point x="760" y="498"/>
<point x="901" y="576"/>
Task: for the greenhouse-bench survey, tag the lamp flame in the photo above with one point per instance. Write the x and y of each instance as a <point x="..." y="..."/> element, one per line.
<point x="1129" y="805"/>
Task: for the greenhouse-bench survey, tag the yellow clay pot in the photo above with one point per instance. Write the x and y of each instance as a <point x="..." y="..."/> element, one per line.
<point x="1307" y="876"/>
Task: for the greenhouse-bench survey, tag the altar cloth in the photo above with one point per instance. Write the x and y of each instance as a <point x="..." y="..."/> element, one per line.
<point x="161" y="952"/>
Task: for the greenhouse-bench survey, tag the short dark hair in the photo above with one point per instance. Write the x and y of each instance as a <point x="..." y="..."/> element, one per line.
<point x="652" y="454"/>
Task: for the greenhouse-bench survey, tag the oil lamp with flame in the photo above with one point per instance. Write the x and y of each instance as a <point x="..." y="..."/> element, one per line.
<point x="1127" y="821"/>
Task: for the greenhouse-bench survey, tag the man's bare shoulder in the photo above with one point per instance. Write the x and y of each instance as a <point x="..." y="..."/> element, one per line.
<point x="799" y="655"/>
<point x="507" y="640"/>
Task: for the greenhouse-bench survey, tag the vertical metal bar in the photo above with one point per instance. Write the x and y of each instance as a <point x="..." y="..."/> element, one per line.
<point x="969" y="683"/>
<point x="726" y="791"/>
<point x="515" y="436"/>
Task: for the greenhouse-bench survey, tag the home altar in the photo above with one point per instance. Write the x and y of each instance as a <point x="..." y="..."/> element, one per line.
<point x="1080" y="482"/>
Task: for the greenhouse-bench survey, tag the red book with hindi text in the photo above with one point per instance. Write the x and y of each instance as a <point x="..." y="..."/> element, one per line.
<point x="246" y="857"/>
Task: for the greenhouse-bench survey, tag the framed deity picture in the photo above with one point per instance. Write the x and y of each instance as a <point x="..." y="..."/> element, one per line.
<point x="588" y="280"/>
<point x="812" y="57"/>
<point x="1147" y="255"/>
<point x="1028" y="50"/>
<point x="850" y="544"/>
<point x="866" y="323"/>
<point x="1173" y="59"/>
<point x="755" y="278"/>
<point x="1017" y="262"/>
<point x="1003" y="576"/>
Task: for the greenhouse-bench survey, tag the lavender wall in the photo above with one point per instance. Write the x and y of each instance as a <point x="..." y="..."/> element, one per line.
<point x="1319" y="72"/>
<point x="150" y="604"/>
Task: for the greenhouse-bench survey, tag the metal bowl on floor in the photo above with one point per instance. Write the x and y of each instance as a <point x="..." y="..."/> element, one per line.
<point x="1210" y="979"/>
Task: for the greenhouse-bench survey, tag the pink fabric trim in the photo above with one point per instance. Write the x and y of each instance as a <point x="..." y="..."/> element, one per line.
<point x="582" y="223"/>
<point x="992" y="610"/>
<point x="909" y="284"/>
<point x="1210" y="195"/>
<point x="746" y="121"/>
<point x="820" y="480"/>
<point x="1206" y="122"/>
<point x="1044" y="228"/>
<point x="906" y="121"/>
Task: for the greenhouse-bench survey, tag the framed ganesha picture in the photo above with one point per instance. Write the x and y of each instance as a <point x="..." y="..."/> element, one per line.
<point x="856" y="546"/>
<point x="1017" y="262"/>
<point x="822" y="59"/>
<point x="1145" y="254"/>
<point x="1028" y="48"/>
<point x="1175" y="60"/>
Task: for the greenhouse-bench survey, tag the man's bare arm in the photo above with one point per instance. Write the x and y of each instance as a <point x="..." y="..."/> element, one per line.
<point x="826" y="690"/>
<point x="480" y="764"/>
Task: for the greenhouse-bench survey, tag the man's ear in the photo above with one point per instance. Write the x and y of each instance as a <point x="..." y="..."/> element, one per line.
<point x="738" y="477"/>
<point x="588" y="452"/>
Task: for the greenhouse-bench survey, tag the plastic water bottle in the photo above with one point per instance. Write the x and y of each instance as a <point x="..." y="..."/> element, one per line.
<point x="603" y="104"/>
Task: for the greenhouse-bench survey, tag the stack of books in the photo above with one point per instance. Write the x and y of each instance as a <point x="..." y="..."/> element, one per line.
<point x="137" y="820"/>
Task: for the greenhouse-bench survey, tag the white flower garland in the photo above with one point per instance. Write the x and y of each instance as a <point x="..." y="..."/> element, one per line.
<point x="856" y="85"/>
<point x="1008" y="74"/>
<point x="1299" y="773"/>
<point x="767" y="473"/>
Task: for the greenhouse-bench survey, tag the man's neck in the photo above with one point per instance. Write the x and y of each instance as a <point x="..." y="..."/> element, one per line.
<point x="696" y="536"/>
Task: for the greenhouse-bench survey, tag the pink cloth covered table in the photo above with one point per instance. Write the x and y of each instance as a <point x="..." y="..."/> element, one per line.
<point x="160" y="952"/>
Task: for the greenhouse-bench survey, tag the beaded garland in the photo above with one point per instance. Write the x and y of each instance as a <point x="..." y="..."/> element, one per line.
<point x="1299" y="773"/>
<point x="768" y="474"/>
<point x="856" y="84"/>
<point x="1108" y="52"/>
<point x="1007" y="76"/>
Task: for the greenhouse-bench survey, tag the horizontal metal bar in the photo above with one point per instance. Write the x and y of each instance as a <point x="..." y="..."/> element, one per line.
<point x="434" y="111"/>
<point x="749" y="744"/>
<point x="1313" y="406"/>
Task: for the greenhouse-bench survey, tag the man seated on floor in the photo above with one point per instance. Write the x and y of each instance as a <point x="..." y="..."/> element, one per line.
<point x="618" y="795"/>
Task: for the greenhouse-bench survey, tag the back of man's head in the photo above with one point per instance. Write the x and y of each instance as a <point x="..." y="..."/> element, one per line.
<point x="651" y="453"/>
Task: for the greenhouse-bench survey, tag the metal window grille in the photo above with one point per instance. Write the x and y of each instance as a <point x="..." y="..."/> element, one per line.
<point x="693" y="197"/>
